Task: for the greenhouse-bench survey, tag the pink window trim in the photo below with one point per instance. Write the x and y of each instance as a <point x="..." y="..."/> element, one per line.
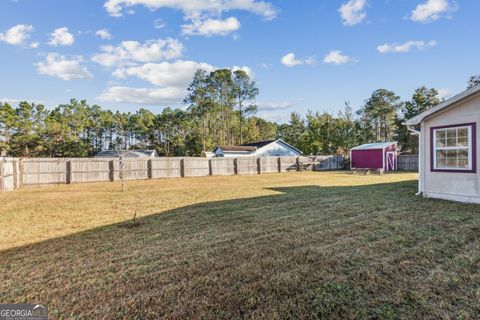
<point x="473" y="127"/>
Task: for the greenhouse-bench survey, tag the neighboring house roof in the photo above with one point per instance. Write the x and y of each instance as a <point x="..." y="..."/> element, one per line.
<point x="445" y="104"/>
<point x="236" y="148"/>
<point x="374" y="146"/>
<point x="248" y="147"/>
<point x="258" y="144"/>
<point x="264" y="143"/>
<point x="126" y="153"/>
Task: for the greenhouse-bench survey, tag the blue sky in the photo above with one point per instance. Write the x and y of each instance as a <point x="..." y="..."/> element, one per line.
<point x="304" y="55"/>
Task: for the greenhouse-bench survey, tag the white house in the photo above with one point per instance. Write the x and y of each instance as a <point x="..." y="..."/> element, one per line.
<point x="126" y="153"/>
<point x="448" y="153"/>
<point x="267" y="148"/>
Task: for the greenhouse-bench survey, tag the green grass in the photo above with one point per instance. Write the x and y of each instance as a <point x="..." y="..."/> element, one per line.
<point x="281" y="246"/>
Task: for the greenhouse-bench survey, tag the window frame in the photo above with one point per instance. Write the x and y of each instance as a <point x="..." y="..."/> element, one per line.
<point x="472" y="148"/>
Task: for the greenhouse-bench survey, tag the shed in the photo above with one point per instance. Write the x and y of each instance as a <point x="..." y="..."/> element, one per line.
<point x="267" y="148"/>
<point x="448" y="153"/>
<point x="377" y="156"/>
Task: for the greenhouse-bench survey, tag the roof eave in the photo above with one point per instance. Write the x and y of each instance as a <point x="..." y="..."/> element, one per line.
<point x="445" y="104"/>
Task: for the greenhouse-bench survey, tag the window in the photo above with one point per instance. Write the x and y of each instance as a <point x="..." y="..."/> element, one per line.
<point x="453" y="148"/>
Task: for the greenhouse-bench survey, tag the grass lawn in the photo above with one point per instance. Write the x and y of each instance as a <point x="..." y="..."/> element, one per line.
<point x="277" y="246"/>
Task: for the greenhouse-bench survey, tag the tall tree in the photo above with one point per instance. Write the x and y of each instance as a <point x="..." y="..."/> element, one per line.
<point x="293" y="132"/>
<point x="380" y="110"/>
<point x="244" y="91"/>
<point x="473" y="81"/>
<point x="423" y="99"/>
<point x="27" y="140"/>
<point x="7" y="124"/>
<point x="199" y="98"/>
<point x="347" y="133"/>
<point x="221" y="86"/>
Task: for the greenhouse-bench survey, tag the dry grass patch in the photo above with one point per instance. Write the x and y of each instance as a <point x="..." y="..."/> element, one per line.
<point x="299" y="245"/>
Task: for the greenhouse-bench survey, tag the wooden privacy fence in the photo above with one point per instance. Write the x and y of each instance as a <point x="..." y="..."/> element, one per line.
<point x="329" y="162"/>
<point x="407" y="163"/>
<point x="9" y="176"/>
<point x="15" y="172"/>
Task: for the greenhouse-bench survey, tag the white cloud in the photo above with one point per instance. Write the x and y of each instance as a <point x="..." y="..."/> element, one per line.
<point x="165" y="74"/>
<point x="17" y="35"/>
<point x="197" y="7"/>
<point x="34" y="45"/>
<point x="10" y="101"/>
<point x="131" y="52"/>
<point x="274" y="116"/>
<point x="56" y="65"/>
<point x="274" y="105"/>
<point x="444" y="93"/>
<point x="170" y="80"/>
<point x="336" y="57"/>
<point x="121" y="94"/>
<point x="159" y="24"/>
<point x="211" y="27"/>
<point x="266" y="65"/>
<point x="406" y="47"/>
<point x="61" y="37"/>
<point x="353" y="12"/>
<point x="431" y="10"/>
<point x="178" y="73"/>
<point x="104" y="34"/>
<point x="290" y="60"/>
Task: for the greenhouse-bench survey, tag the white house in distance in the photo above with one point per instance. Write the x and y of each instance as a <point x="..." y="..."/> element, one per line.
<point x="267" y="148"/>
<point x="127" y="154"/>
<point x="448" y="150"/>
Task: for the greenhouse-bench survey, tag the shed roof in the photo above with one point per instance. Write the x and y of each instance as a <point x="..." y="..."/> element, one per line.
<point x="445" y="104"/>
<point x="373" y="146"/>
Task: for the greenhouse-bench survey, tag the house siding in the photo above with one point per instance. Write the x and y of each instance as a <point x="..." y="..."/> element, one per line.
<point x="459" y="186"/>
<point x="277" y="149"/>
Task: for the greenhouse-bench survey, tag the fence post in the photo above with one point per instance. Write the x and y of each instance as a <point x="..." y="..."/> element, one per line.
<point x="279" y="164"/>
<point x="111" y="167"/>
<point x="149" y="169"/>
<point x="69" y="171"/>
<point x="182" y="168"/>
<point x="235" y="165"/>
<point x="210" y="168"/>
<point x="259" y="165"/>
<point x="15" y="173"/>
<point x="2" y="175"/>
<point x="297" y="161"/>
<point x="21" y="169"/>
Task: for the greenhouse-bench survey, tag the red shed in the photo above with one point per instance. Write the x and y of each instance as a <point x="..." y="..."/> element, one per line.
<point x="381" y="155"/>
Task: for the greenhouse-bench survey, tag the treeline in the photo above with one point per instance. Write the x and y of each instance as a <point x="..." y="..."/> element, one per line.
<point x="220" y="110"/>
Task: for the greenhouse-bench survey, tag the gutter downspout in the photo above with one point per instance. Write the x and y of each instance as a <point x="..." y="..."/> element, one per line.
<point x="420" y="148"/>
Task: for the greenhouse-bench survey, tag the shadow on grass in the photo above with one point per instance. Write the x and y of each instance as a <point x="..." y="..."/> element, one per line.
<point x="372" y="251"/>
